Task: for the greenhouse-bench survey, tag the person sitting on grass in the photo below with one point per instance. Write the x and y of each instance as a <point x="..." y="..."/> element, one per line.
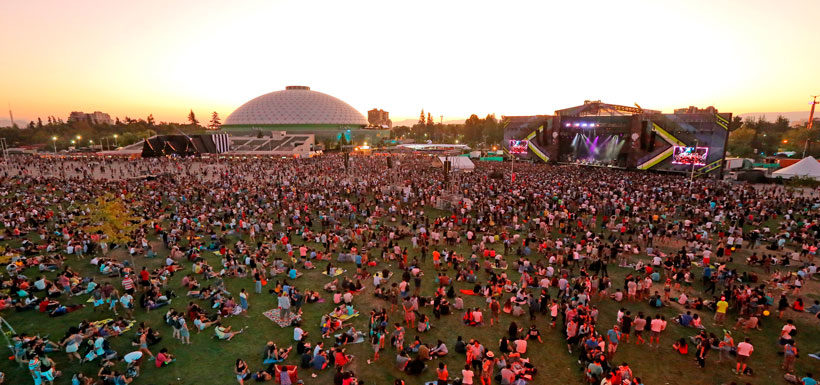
<point x="319" y="361"/>
<point x="201" y="322"/>
<point x="681" y="347"/>
<point x="274" y="354"/>
<point x="440" y="350"/>
<point x="164" y="358"/>
<point x="340" y="359"/>
<point x="751" y="322"/>
<point x="224" y="332"/>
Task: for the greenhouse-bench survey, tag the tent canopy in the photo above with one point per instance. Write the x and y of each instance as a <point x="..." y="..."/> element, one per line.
<point x="457" y="163"/>
<point x="807" y="167"/>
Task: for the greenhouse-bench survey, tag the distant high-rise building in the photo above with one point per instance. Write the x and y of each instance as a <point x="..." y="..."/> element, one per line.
<point x="95" y="117"/>
<point x="379" y="118"/>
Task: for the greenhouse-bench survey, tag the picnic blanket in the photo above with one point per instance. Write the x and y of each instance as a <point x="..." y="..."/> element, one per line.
<point x="335" y="272"/>
<point x="345" y="317"/>
<point x="379" y="274"/>
<point x="359" y="338"/>
<point x="273" y="315"/>
<point x="100" y="323"/>
<point x="467" y="292"/>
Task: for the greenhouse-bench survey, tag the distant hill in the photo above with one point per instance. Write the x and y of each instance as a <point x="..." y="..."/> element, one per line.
<point x="794" y="116"/>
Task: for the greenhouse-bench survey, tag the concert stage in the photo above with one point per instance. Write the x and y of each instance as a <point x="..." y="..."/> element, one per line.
<point x="610" y="135"/>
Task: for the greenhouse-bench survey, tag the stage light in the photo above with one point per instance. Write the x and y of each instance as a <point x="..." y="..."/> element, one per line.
<point x="583" y="124"/>
<point x="577" y="124"/>
<point x="568" y="124"/>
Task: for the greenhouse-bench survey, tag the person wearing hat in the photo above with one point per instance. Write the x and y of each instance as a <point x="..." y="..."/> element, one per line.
<point x="487" y="368"/>
<point x="720" y="310"/>
<point x="613" y="336"/>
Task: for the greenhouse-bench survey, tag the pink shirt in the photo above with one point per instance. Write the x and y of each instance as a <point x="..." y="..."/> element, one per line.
<point x="745" y="349"/>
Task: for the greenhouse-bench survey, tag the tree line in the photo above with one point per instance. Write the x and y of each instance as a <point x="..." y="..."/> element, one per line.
<point x="85" y="133"/>
<point x="758" y="138"/>
<point x="474" y="131"/>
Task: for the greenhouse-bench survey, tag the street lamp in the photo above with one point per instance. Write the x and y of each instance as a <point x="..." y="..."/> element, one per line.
<point x="54" y="142"/>
<point x="115" y="140"/>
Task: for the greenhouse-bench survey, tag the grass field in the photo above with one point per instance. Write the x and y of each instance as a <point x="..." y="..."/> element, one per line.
<point x="208" y="361"/>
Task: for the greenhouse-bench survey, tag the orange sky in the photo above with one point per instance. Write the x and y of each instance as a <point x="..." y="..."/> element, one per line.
<point x="452" y="58"/>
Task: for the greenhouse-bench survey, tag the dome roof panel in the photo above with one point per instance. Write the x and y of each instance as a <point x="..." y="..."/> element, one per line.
<point x="295" y="105"/>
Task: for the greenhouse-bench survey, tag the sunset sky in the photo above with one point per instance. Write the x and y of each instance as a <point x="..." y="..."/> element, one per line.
<point x="452" y="58"/>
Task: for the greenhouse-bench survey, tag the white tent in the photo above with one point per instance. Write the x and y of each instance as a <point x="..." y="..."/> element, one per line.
<point x="806" y="167"/>
<point x="457" y="163"/>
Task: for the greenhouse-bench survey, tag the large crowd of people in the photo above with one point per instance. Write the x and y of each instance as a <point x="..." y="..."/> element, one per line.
<point x="538" y="252"/>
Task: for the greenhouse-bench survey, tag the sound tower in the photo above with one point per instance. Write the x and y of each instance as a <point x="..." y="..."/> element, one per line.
<point x="389" y="162"/>
<point x="347" y="161"/>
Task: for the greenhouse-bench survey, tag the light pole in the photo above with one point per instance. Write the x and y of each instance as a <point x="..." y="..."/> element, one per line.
<point x="116" y="145"/>
<point x="692" y="173"/>
<point x="54" y="142"/>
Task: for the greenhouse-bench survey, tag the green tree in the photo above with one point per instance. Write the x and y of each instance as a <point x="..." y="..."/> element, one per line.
<point x="111" y="217"/>
<point x="741" y="141"/>
<point x="736" y="123"/>
<point x="473" y="129"/>
<point x="192" y="119"/>
<point x="150" y="119"/>
<point x="39" y="123"/>
<point x="421" y="117"/>
<point x="215" y="123"/>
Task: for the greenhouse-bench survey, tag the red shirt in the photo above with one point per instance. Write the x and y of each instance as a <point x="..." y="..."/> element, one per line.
<point x="128" y="283"/>
<point x="161" y="359"/>
<point x="443" y="374"/>
<point x="341" y="359"/>
<point x="144" y="275"/>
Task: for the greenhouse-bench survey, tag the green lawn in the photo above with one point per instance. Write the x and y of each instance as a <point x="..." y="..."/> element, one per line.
<point x="209" y="361"/>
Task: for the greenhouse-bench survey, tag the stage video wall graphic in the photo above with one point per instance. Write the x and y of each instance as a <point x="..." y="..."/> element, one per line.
<point x="690" y="155"/>
<point x="518" y="147"/>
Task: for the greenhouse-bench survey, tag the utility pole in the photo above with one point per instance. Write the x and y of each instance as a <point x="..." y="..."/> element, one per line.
<point x="811" y="123"/>
<point x="11" y="117"/>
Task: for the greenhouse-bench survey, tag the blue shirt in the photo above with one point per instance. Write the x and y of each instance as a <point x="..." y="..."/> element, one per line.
<point x="613" y="336"/>
<point x="318" y="362"/>
<point x="809" y="381"/>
